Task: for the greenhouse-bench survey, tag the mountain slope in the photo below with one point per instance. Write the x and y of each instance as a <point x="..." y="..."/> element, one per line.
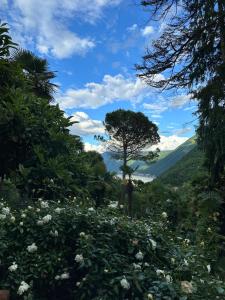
<point x="161" y="166"/>
<point x="165" y="161"/>
<point x="185" y="169"/>
<point x="114" y="165"/>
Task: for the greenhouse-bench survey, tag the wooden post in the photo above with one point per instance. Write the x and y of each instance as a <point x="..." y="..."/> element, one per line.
<point x="4" y="294"/>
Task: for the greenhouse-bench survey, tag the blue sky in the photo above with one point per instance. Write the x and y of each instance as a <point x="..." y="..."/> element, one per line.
<point x="93" y="45"/>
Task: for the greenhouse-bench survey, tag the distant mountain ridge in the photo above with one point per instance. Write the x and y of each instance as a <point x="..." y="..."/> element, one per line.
<point x="166" y="160"/>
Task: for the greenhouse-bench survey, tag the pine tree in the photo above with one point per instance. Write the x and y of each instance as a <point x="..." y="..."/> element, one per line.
<point x="190" y="54"/>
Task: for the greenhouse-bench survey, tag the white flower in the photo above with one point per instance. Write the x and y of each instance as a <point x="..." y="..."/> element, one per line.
<point x="58" y="210"/>
<point x="137" y="266"/>
<point x="40" y="222"/>
<point x="113" y="204"/>
<point x="82" y="234"/>
<point x="146" y="264"/>
<point x="23" y="216"/>
<point x="44" y="204"/>
<point x="121" y="206"/>
<point x="186" y="287"/>
<point x="65" y="276"/>
<point x="172" y="260"/>
<point x="124" y="283"/>
<point x="106" y="271"/>
<point x="160" y="272"/>
<point x="6" y="210"/>
<point x="57" y="277"/>
<point x="13" y="267"/>
<point x="150" y="296"/>
<point x="186" y="241"/>
<point x="139" y="255"/>
<point x="164" y="215"/>
<point x="29" y="207"/>
<point x="32" y="248"/>
<point x="38" y="210"/>
<point x="21" y="223"/>
<point x="208" y="268"/>
<point x="23" y="288"/>
<point x="78" y="283"/>
<point x="47" y="218"/>
<point x="153" y="244"/>
<point x="13" y="219"/>
<point x="169" y="279"/>
<point x="79" y="258"/>
<point x="2" y="217"/>
<point x="54" y="233"/>
<point x="186" y="262"/>
<point x="91" y="209"/>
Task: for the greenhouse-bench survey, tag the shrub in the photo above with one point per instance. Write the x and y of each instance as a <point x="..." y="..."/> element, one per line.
<point x="55" y="251"/>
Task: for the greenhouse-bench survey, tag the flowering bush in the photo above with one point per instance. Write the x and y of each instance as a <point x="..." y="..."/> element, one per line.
<point x="65" y="252"/>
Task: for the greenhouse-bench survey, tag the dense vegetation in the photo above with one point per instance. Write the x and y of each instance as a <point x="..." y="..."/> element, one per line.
<point x="186" y="169"/>
<point x="63" y="234"/>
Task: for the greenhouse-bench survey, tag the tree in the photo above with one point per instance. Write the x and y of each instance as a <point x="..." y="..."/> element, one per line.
<point x="129" y="134"/>
<point x="37" y="73"/>
<point x="6" y="42"/>
<point x="191" y="54"/>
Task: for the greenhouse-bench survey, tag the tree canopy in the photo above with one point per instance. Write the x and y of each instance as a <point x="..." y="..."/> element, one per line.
<point x="190" y="53"/>
<point x="130" y="132"/>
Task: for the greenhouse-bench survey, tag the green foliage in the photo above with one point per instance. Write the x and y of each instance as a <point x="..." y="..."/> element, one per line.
<point x="65" y="252"/>
<point x="185" y="169"/>
<point x="129" y="133"/>
<point x="191" y="54"/>
<point x="6" y="42"/>
<point x="37" y="73"/>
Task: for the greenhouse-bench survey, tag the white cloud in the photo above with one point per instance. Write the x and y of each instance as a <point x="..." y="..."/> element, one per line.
<point x="180" y="100"/>
<point x="170" y="142"/>
<point x="166" y="143"/>
<point x="112" y="88"/>
<point x="133" y="27"/>
<point x="92" y="147"/>
<point x="85" y="125"/>
<point x="148" y="30"/>
<point x="162" y="104"/>
<point x="44" y="24"/>
<point x="182" y="131"/>
<point x="156" y="116"/>
<point x="157" y="107"/>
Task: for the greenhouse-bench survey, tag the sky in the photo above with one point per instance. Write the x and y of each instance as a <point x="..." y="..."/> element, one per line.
<point x="93" y="45"/>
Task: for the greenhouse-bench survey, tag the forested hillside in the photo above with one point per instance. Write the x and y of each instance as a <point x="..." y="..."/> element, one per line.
<point x="185" y="170"/>
<point x="158" y="166"/>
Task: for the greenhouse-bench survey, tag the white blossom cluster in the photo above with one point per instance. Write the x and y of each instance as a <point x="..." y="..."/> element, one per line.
<point x="124" y="283"/>
<point x="32" y="248"/>
<point x="13" y="267"/>
<point x="44" y="220"/>
<point x="23" y="288"/>
<point x="62" y="276"/>
<point x="79" y="258"/>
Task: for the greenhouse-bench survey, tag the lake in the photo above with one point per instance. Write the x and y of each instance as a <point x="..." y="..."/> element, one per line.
<point x="141" y="177"/>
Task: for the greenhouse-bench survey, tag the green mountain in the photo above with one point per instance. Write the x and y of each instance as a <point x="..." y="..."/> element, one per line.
<point x="164" y="164"/>
<point x="114" y="165"/>
<point x="185" y="169"/>
<point x="165" y="161"/>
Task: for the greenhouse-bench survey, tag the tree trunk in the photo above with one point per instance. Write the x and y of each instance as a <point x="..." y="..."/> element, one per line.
<point x="4" y="294"/>
<point x="123" y="188"/>
<point x="130" y="189"/>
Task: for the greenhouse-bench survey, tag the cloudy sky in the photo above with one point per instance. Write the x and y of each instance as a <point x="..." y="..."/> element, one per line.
<point x="93" y="45"/>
